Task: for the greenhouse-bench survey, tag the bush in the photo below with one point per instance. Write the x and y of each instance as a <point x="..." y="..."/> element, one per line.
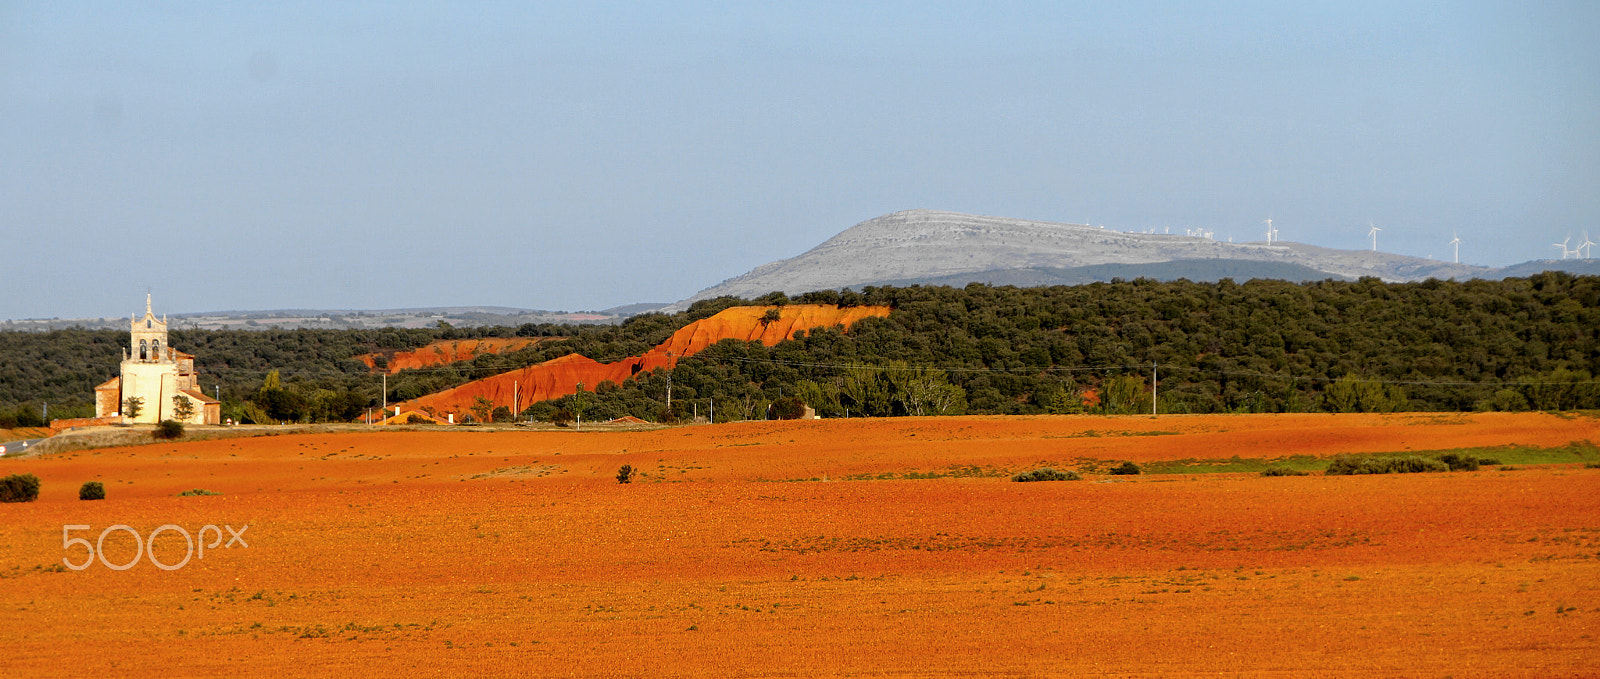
<point x="1282" y="471"/>
<point x="1460" y="463"/>
<point x="169" y="429"/>
<point x="1046" y="474"/>
<point x="625" y="474"/>
<point x="92" y="490"/>
<point x="19" y="488"/>
<point x="788" y="408"/>
<point x="1345" y="466"/>
<point x="197" y="491"/>
<point x="1126" y="469"/>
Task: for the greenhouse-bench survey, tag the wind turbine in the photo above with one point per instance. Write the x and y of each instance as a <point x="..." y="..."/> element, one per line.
<point x="1271" y="232"/>
<point x="1583" y="248"/>
<point x="1374" y="234"/>
<point x="1563" y="246"/>
<point x="1455" y="242"/>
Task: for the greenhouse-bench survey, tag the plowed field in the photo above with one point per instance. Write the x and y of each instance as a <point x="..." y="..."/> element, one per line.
<point x="821" y="548"/>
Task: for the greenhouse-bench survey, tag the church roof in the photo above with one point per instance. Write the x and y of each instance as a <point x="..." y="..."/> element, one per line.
<point x="200" y="396"/>
<point x="113" y="383"/>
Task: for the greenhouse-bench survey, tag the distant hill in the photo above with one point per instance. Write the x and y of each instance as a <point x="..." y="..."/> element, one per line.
<point x="1197" y="270"/>
<point x="949" y="248"/>
<point x="342" y="319"/>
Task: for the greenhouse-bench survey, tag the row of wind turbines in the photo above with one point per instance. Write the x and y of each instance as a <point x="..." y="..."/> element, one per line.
<point x="1580" y="251"/>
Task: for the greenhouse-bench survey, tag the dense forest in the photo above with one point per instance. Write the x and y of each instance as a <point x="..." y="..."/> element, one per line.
<point x="1259" y="346"/>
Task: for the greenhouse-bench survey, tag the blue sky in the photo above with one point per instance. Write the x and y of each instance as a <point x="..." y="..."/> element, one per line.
<point x="582" y="156"/>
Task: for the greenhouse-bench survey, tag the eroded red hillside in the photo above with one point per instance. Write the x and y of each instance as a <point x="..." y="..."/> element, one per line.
<point x="560" y="377"/>
<point x="444" y="352"/>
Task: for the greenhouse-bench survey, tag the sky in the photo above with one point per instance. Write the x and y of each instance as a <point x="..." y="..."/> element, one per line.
<point x="579" y="156"/>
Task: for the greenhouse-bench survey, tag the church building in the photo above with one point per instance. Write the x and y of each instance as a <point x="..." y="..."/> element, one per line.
<point x="162" y="378"/>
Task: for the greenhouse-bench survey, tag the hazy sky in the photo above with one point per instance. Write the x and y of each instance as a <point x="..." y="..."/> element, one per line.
<point x="587" y="155"/>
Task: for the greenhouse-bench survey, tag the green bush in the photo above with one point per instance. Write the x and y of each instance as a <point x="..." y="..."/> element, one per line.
<point x="1126" y="469"/>
<point x="788" y="408"/>
<point x="1046" y="474"/>
<point x="197" y="491"/>
<point x="92" y="490"/>
<point x="625" y="474"/>
<point x="169" y="429"/>
<point x="1282" y="471"/>
<point x="1411" y="464"/>
<point x="19" y="488"/>
<point x="1460" y="463"/>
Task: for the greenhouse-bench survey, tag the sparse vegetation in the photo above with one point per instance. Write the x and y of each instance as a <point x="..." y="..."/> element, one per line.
<point x="1410" y="464"/>
<point x="1046" y="474"/>
<point x="19" y="488"/>
<point x="92" y="490"/>
<point x="1279" y="470"/>
<point x="625" y="474"/>
<point x="197" y="491"/>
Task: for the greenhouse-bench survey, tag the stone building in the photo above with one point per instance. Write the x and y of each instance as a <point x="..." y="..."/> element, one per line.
<point x="155" y="373"/>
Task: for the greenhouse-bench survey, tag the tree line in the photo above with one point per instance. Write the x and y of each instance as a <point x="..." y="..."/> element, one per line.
<point x="1258" y="346"/>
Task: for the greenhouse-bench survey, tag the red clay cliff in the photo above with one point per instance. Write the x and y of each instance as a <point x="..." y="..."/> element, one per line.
<point x="559" y="377"/>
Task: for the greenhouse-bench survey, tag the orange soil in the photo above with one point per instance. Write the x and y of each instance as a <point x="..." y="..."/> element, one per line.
<point x="513" y="552"/>
<point x="444" y="352"/>
<point x="561" y="376"/>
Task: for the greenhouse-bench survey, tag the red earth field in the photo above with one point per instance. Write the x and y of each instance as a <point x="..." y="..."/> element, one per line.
<point x="889" y="547"/>
<point x="561" y="376"/>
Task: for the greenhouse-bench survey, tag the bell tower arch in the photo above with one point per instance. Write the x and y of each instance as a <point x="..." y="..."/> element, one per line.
<point x="149" y="336"/>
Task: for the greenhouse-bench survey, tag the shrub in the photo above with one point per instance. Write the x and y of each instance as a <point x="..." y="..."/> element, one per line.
<point x="92" y="490"/>
<point x="197" y="491"/>
<point x="1586" y="465"/>
<point x="788" y="408"/>
<point x="1345" y="465"/>
<point x="169" y="429"/>
<point x="1126" y="469"/>
<point x="19" y="488"/>
<point x="561" y="418"/>
<point x="1460" y="463"/>
<point x="1282" y="471"/>
<point x="1046" y="474"/>
<point x="625" y="474"/>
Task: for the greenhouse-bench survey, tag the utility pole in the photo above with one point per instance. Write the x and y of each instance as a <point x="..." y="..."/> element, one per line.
<point x="385" y="396"/>
<point x="1153" y="389"/>
<point x="713" y="411"/>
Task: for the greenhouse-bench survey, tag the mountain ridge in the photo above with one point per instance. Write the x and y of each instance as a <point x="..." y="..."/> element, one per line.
<point x="955" y="248"/>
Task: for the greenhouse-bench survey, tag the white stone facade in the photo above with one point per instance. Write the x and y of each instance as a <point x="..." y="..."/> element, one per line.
<point x="155" y="373"/>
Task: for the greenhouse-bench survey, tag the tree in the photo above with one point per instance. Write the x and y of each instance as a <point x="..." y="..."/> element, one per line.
<point x="580" y="403"/>
<point x="788" y="408"/>
<point x="770" y="316"/>
<point x="483" y="409"/>
<point x="132" y="406"/>
<point x="182" y="408"/>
